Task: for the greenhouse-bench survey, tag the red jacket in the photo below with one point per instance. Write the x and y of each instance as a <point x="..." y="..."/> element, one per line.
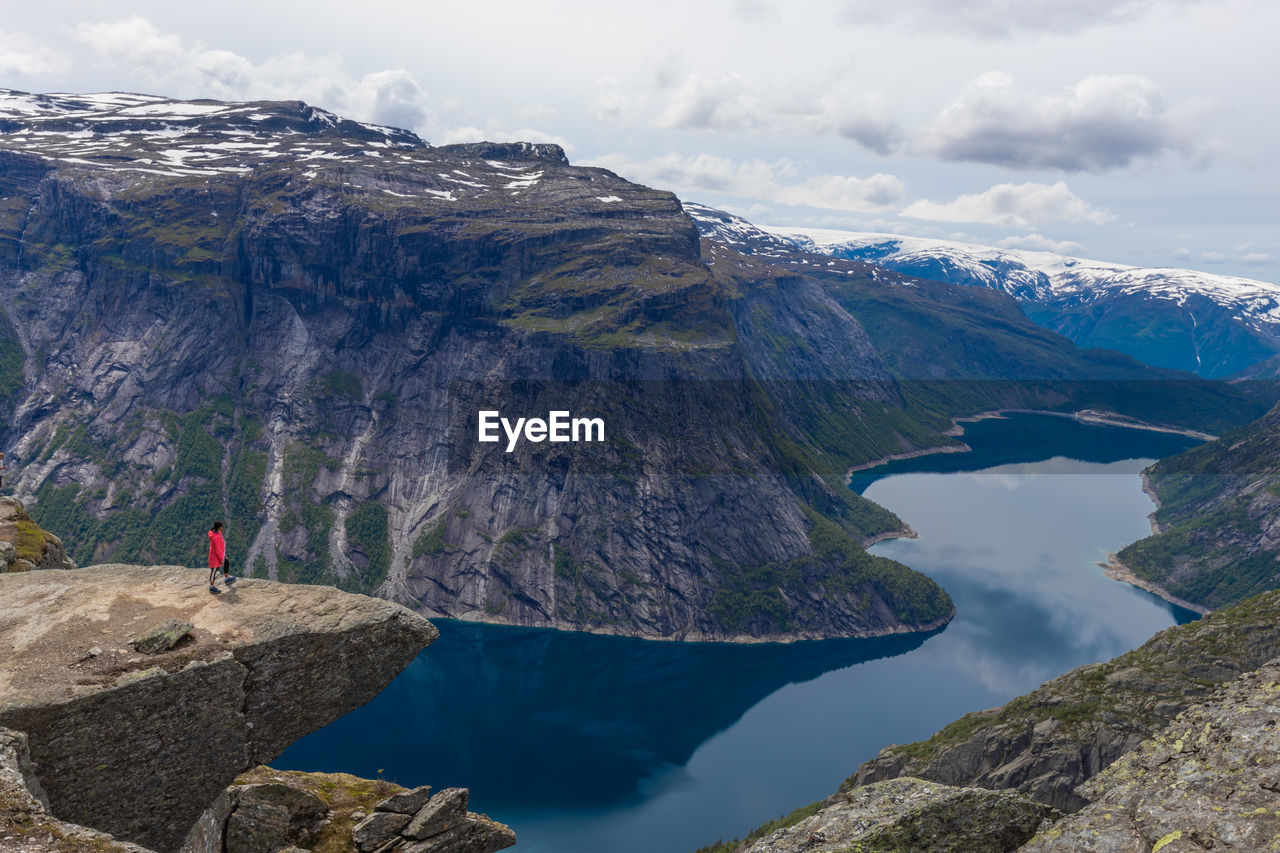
<point x="217" y="549"/>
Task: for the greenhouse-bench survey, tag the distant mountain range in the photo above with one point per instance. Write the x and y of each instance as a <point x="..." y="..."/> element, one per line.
<point x="271" y="315"/>
<point x="1212" y="325"/>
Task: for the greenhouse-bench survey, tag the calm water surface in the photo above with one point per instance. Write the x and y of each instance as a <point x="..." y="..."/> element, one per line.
<point x="588" y="744"/>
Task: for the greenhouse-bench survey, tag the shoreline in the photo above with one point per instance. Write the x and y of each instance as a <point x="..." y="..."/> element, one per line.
<point x="903" y="532"/>
<point x="910" y="454"/>
<point x="479" y="617"/>
<point x="1118" y="571"/>
<point x="1151" y="493"/>
<point x="1088" y="416"/>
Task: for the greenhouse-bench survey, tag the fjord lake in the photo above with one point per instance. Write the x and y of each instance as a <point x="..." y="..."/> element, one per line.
<point x="596" y="744"/>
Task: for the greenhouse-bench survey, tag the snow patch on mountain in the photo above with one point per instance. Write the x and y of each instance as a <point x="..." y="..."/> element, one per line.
<point x="1041" y="276"/>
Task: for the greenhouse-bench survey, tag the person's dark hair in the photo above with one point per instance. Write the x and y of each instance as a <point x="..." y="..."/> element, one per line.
<point x="217" y="525"/>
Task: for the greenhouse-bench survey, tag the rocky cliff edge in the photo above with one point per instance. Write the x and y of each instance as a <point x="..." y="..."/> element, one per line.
<point x="138" y="745"/>
<point x="24" y="545"/>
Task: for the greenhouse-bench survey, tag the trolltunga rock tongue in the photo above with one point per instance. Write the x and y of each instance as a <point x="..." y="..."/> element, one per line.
<point x="138" y="745"/>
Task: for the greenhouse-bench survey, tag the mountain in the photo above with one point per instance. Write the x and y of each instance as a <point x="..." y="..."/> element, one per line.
<point x="1216" y="536"/>
<point x="1211" y="325"/>
<point x="264" y="313"/>
<point x="1089" y="737"/>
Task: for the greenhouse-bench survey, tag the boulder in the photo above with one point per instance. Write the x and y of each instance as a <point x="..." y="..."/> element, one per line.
<point x="24" y="545"/>
<point x="270" y="816"/>
<point x="443" y="811"/>
<point x="406" y="802"/>
<point x="377" y="829"/>
<point x="911" y="815"/>
<point x="160" y="638"/>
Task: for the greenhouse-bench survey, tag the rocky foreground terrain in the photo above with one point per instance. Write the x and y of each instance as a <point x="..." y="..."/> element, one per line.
<point x="1173" y="746"/>
<point x="136" y="738"/>
<point x="24" y="545"/>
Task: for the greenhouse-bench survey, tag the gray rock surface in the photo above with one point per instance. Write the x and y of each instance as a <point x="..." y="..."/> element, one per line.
<point x="443" y="811"/>
<point x="25" y="823"/>
<point x="473" y="834"/>
<point x="911" y="816"/>
<point x="377" y="829"/>
<point x="268" y="816"/>
<point x="406" y="802"/>
<point x="160" y="638"/>
<point x="1049" y="741"/>
<point x="140" y="746"/>
<point x="1209" y="781"/>
<point x="352" y="821"/>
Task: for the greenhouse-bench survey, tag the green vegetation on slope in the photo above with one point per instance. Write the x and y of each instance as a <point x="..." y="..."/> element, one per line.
<point x="368" y="533"/>
<point x="1218" y="503"/>
<point x="12" y="359"/>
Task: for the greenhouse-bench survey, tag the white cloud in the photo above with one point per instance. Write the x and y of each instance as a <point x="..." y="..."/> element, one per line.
<point x="1258" y="258"/>
<point x="1103" y="122"/>
<point x="393" y="96"/>
<point x="1214" y="257"/>
<point x="610" y="99"/>
<point x="713" y="102"/>
<point x="776" y="182"/>
<point x="1013" y="206"/>
<point x="842" y="192"/>
<point x="132" y="39"/>
<point x="23" y="56"/>
<point x="1001" y="17"/>
<point x="494" y="133"/>
<point x="1040" y="243"/>
<point x="834" y="105"/>
<point x="754" y="11"/>
<point x="173" y="66"/>
<point x="1182" y="253"/>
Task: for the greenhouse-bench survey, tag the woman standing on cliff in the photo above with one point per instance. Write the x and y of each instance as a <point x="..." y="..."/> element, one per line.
<point x="218" y="557"/>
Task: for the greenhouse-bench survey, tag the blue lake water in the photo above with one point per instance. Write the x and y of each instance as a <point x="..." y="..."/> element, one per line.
<point x="588" y="744"/>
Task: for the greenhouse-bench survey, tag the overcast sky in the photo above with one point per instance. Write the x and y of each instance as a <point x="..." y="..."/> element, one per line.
<point x="1137" y="131"/>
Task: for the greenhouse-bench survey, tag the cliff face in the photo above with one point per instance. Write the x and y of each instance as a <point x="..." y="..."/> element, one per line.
<point x="1218" y="521"/>
<point x="139" y="744"/>
<point x="262" y="313"/>
<point x="25" y="823"/>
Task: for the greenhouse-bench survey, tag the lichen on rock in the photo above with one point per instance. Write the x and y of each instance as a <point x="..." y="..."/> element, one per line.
<point x="905" y="815"/>
<point x="1209" y="780"/>
<point x="24" y="545"/>
<point x="1064" y="732"/>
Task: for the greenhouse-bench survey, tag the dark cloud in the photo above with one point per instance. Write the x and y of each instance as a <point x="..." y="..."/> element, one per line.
<point x="1101" y="123"/>
<point x="1002" y="18"/>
